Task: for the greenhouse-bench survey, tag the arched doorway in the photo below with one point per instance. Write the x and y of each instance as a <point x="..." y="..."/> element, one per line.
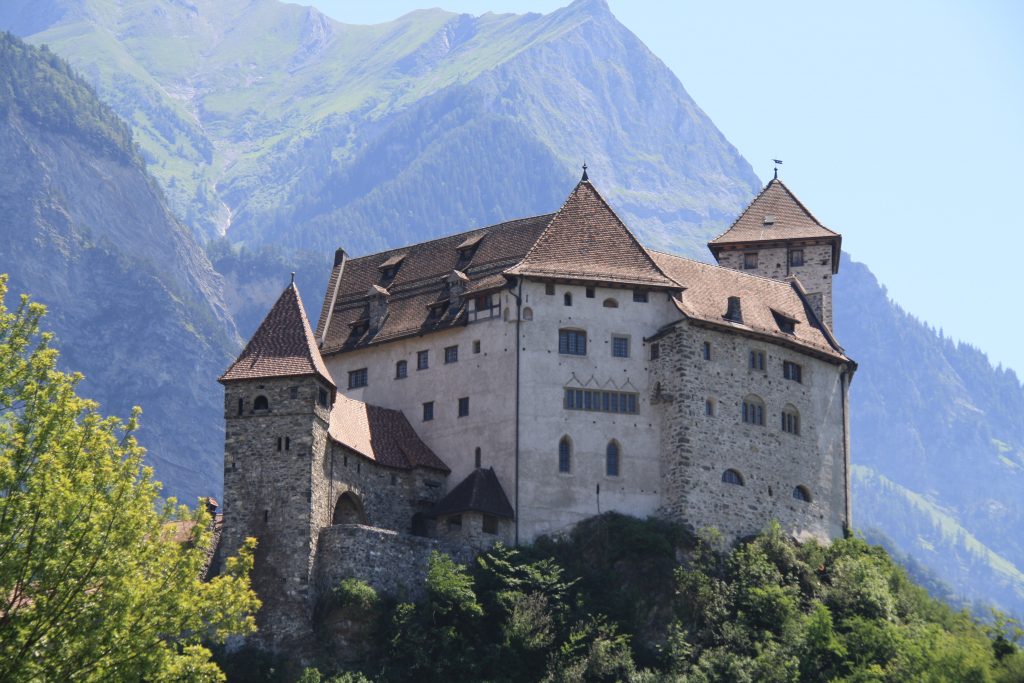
<point x="348" y="510"/>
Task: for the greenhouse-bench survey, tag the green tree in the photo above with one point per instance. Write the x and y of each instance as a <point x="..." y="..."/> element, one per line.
<point x="96" y="582"/>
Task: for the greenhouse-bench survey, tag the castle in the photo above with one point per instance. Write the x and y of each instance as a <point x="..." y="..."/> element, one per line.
<point x="510" y="381"/>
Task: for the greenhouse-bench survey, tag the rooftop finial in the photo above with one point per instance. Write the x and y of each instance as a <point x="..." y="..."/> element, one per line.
<point x="293" y="277"/>
<point x="778" y="162"/>
<point x="585" y="178"/>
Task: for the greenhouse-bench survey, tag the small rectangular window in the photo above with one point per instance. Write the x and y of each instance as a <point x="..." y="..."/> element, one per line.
<point x="706" y="351"/>
<point x="796" y="257"/>
<point x="451" y="354"/>
<point x="357" y="378"/>
<point x="757" y="360"/>
<point x="709" y="408"/>
<point x="422" y="360"/>
<point x="455" y="522"/>
<point x="476" y="346"/>
<point x="620" y="347"/>
<point x="323" y="398"/>
<point x="590" y="292"/>
<point x="792" y="371"/>
<point x="572" y="342"/>
<point x="464" y="406"/>
<point x="750" y="261"/>
<point x="549" y="288"/>
<point x="428" y="411"/>
<point x="401" y="370"/>
<point x="640" y="296"/>
<point x="655" y="351"/>
<point x="791" y="423"/>
<point x="490" y="524"/>
<point x="294" y="392"/>
<point x="241" y="406"/>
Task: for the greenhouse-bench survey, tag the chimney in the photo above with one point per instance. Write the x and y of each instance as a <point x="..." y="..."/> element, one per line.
<point x="457" y="282"/>
<point x="339" y="265"/>
<point x="339" y="257"/>
<point x="378" y="306"/>
<point x="734" y="311"/>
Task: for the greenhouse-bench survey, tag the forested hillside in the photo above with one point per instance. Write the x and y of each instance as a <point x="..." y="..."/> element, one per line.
<point x="133" y="300"/>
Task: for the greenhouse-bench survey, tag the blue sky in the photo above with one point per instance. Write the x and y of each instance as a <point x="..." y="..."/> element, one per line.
<point x="901" y="125"/>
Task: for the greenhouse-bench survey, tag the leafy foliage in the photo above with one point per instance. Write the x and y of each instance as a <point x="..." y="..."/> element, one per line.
<point x="95" y="583"/>
<point x="767" y="610"/>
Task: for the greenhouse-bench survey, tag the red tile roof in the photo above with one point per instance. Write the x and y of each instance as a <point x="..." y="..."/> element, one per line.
<point x="789" y="219"/>
<point x="380" y="434"/>
<point x="283" y="346"/>
<point x="480" y="491"/>
<point x="706" y="293"/>
<point x="587" y="241"/>
<point x="420" y="281"/>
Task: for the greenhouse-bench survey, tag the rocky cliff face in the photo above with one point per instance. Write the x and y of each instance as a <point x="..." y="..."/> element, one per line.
<point x="132" y="299"/>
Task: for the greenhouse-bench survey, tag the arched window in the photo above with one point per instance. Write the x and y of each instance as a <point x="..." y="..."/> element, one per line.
<point x="610" y="303"/>
<point x="527" y="313"/>
<point x="401" y="369"/>
<point x="477" y="457"/>
<point x="753" y="410"/>
<point x="732" y="477"/>
<point x="565" y="455"/>
<point x="791" y="420"/>
<point x="611" y="459"/>
<point x="802" y="493"/>
<point x="567" y="299"/>
<point x="261" y="403"/>
<point x="348" y="510"/>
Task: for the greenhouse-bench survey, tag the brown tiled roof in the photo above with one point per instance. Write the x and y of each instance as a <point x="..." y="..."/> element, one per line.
<point x="587" y="241"/>
<point x="706" y="293"/>
<point x="480" y="491"/>
<point x="380" y="434"/>
<point x="789" y="218"/>
<point x="283" y="346"/>
<point x="421" y="281"/>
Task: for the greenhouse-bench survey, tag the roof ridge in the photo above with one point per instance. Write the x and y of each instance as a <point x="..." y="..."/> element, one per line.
<point x="720" y="267"/>
<point x="453" y="235"/>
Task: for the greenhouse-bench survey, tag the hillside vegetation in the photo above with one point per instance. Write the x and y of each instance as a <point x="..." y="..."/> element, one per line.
<point x="613" y="603"/>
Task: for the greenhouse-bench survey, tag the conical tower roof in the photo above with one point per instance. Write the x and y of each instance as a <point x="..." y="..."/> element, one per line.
<point x="283" y="346"/>
<point x="586" y="241"/>
<point x="775" y="215"/>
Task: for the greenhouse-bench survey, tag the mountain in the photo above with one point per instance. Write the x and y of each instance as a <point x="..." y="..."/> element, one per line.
<point x="133" y="301"/>
<point x="276" y="129"/>
<point x="938" y="444"/>
<point x="278" y="125"/>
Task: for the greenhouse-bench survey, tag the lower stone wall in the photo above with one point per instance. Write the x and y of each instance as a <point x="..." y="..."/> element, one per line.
<point x="390" y="562"/>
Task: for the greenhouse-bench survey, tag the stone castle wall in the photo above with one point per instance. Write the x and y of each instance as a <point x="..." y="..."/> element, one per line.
<point x="815" y="274"/>
<point x="392" y="563"/>
<point x="697" y="448"/>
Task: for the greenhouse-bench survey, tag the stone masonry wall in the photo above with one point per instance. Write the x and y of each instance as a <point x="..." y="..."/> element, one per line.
<point x="815" y="275"/>
<point x="697" y="448"/>
<point x="393" y="564"/>
<point x="267" y="494"/>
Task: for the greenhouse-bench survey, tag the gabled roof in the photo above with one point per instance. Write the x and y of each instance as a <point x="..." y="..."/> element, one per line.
<point x="380" y="434"/>
<point x="420" y="281"/>
<point x="587" y="241"/>
<point x="774" y="215"/>
<point x="480" y="491"/>
<point x="706" y="293"/>
<point x="283" y="346"/>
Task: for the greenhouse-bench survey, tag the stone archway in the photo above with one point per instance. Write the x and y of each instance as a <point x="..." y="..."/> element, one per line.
<point x="348" y="510"/>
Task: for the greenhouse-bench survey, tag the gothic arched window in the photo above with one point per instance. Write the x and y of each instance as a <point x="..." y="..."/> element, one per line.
<point x="611" y="459"/>
<point x="564" y="455"/>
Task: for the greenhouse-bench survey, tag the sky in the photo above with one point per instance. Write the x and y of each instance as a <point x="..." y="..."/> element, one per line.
<point x="900" y="125"/>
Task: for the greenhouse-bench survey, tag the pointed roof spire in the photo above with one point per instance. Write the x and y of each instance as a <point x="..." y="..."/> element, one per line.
<point x="585" y="178"/>
<point x="586" y="241"/>
<point x="283" y="346"/>
<point x="776" y="215"/>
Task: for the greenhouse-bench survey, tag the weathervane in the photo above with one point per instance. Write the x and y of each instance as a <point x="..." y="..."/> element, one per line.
<point x="778" y="162"/>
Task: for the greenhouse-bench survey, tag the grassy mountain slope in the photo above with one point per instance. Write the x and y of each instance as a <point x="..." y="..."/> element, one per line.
<point x="937" y="433"/>
<point x="237" y="128"/>
<point x="133" y="300"/>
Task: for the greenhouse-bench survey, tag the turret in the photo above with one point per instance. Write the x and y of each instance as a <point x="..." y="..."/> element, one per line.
<point x="777" y="237"/>
<point x="277" y="403"/>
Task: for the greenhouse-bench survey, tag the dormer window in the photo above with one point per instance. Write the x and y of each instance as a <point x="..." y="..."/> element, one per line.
<point x="468" y="248"/>
<point x="769" y="220"/>
<point x="787" y="325"/>
<point x="389" y="269"/>
<point x="359" y="328"/>
<point x="438" y="309"/>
